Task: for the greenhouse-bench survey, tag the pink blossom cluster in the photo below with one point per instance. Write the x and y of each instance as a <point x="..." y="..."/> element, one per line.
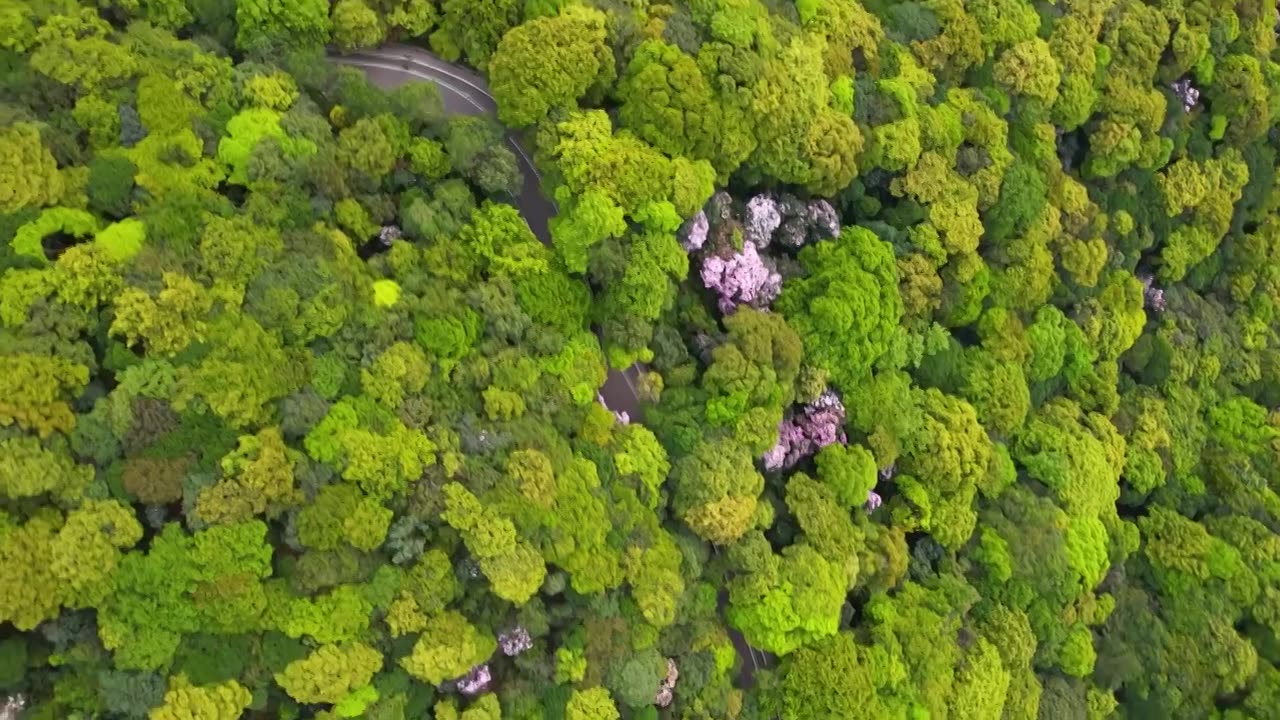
<point x="515" y="641"/>
<point x="788" y="220"/>
<point x="815" y="426"/>
<point x="695" y="232"/>
<point x="1154" y="296"/>
<point x="389" y="234"/>
<point x="742" y="275"/>
<point x="741" y="278"/>
<point x="873" y="501"/>
<point x="12" y="707"/>
<point x="666" y="691"/>
<point x="1187" y="93"/>
<point x="762" y="219"/>
<point x="476" y="681"/>
<point x="823" y="220"/>
<point x="806" y="222"/>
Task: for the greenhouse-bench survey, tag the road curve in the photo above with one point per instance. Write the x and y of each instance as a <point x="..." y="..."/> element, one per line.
<point x="466" y="92"/>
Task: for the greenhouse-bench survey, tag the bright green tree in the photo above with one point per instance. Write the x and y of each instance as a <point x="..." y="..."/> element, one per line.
<point x="549" y="63"/>
<point x="331" y="673"/>
<point x="716" y="490"/>
<point x="31" y="178"/>
<point x="448" y="648"/>
<point x="846" y="309"/>
<point x="184" y="701"/>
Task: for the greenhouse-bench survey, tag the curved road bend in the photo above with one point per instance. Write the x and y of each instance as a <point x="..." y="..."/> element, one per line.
<point x="466" y="92"/>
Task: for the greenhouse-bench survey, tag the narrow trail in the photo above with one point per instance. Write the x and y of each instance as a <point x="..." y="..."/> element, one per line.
<point x="466" y="92"/>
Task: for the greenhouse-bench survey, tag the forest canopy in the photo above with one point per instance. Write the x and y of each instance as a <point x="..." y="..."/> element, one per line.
<point x="911" y="359"/>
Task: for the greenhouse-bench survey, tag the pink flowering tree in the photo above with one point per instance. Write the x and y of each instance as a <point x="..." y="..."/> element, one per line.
<point x="815" y="426"/>
<point x="731" y="239"/>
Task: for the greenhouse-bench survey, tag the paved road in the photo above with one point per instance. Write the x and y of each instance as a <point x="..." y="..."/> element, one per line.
<point x="466" y="92"/>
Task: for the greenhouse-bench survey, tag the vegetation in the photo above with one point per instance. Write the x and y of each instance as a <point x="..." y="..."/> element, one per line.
<point x="956" y="327"/>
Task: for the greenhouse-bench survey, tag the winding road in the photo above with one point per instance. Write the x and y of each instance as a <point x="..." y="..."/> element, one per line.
<point x="466" y="92"/>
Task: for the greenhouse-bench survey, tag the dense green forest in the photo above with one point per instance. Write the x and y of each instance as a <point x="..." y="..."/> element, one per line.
<point x="953" y="323"/>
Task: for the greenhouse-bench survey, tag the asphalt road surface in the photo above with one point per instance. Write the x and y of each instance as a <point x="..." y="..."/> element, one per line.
<point x="465" y="91"/>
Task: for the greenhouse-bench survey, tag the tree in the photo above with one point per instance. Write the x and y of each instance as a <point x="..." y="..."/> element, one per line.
<point x="73" y="49"/>
<point x="28" y="469"/>
<point x="258" y="478"/>
<point x="513" y="567"/>
<point x="1204" y="193"/>
<point x="245" y="351"/>
<point x="431" y="581"/>
<point x="428" y="158"/>
<point x="831" y="678"/>
<point x="341" y="513"/>
<point x="144" y="620"/>
<point x="29" y="238"/>
<point x="668" y="102"/>
<point x="236" y="251"/>
<point x="1030" y="70"/>
<point x="341" y="615"/>
<point x="246" y="131"/>
<point x="639" y="455"/>
<point x="87" y="550"/>
<point x="1078" y="456"/>
<point x="35" y="389"/>
<point x="849" y="471"/>
<point x="371" y="146"/>
<point x="262" y="24"/>
<point x="632" y="174"/>
<point x="584" y="222"/>
<point x="549" y="63"/>
<point x="474" y="29"/>
<point x="184" y="701"/>
<point x="229" y="561"/>
<point x="110" y="188"/>
<point x="757" y="366"/>
<point x="826" y="524"/>
<point x="656" y="582"/>
<point x="787" y="601"/>
<point x="26" y="554"/>
<point x="800" y="140"/>
<point x="633" y="680"/>
<point x="945" y="462"/>
<point x="356" y="25"/>
<point x="591" y="704"/>
<point x="998" y="391"/>
<point x="716" y="489"/>
<point x="847" y="307"/>
<point x="331" y="673"/>
<point x="167" y="323"/>
<point x="382" y="456"/>
<point x="448" y="648"/>
<point x="68" y="561"/>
